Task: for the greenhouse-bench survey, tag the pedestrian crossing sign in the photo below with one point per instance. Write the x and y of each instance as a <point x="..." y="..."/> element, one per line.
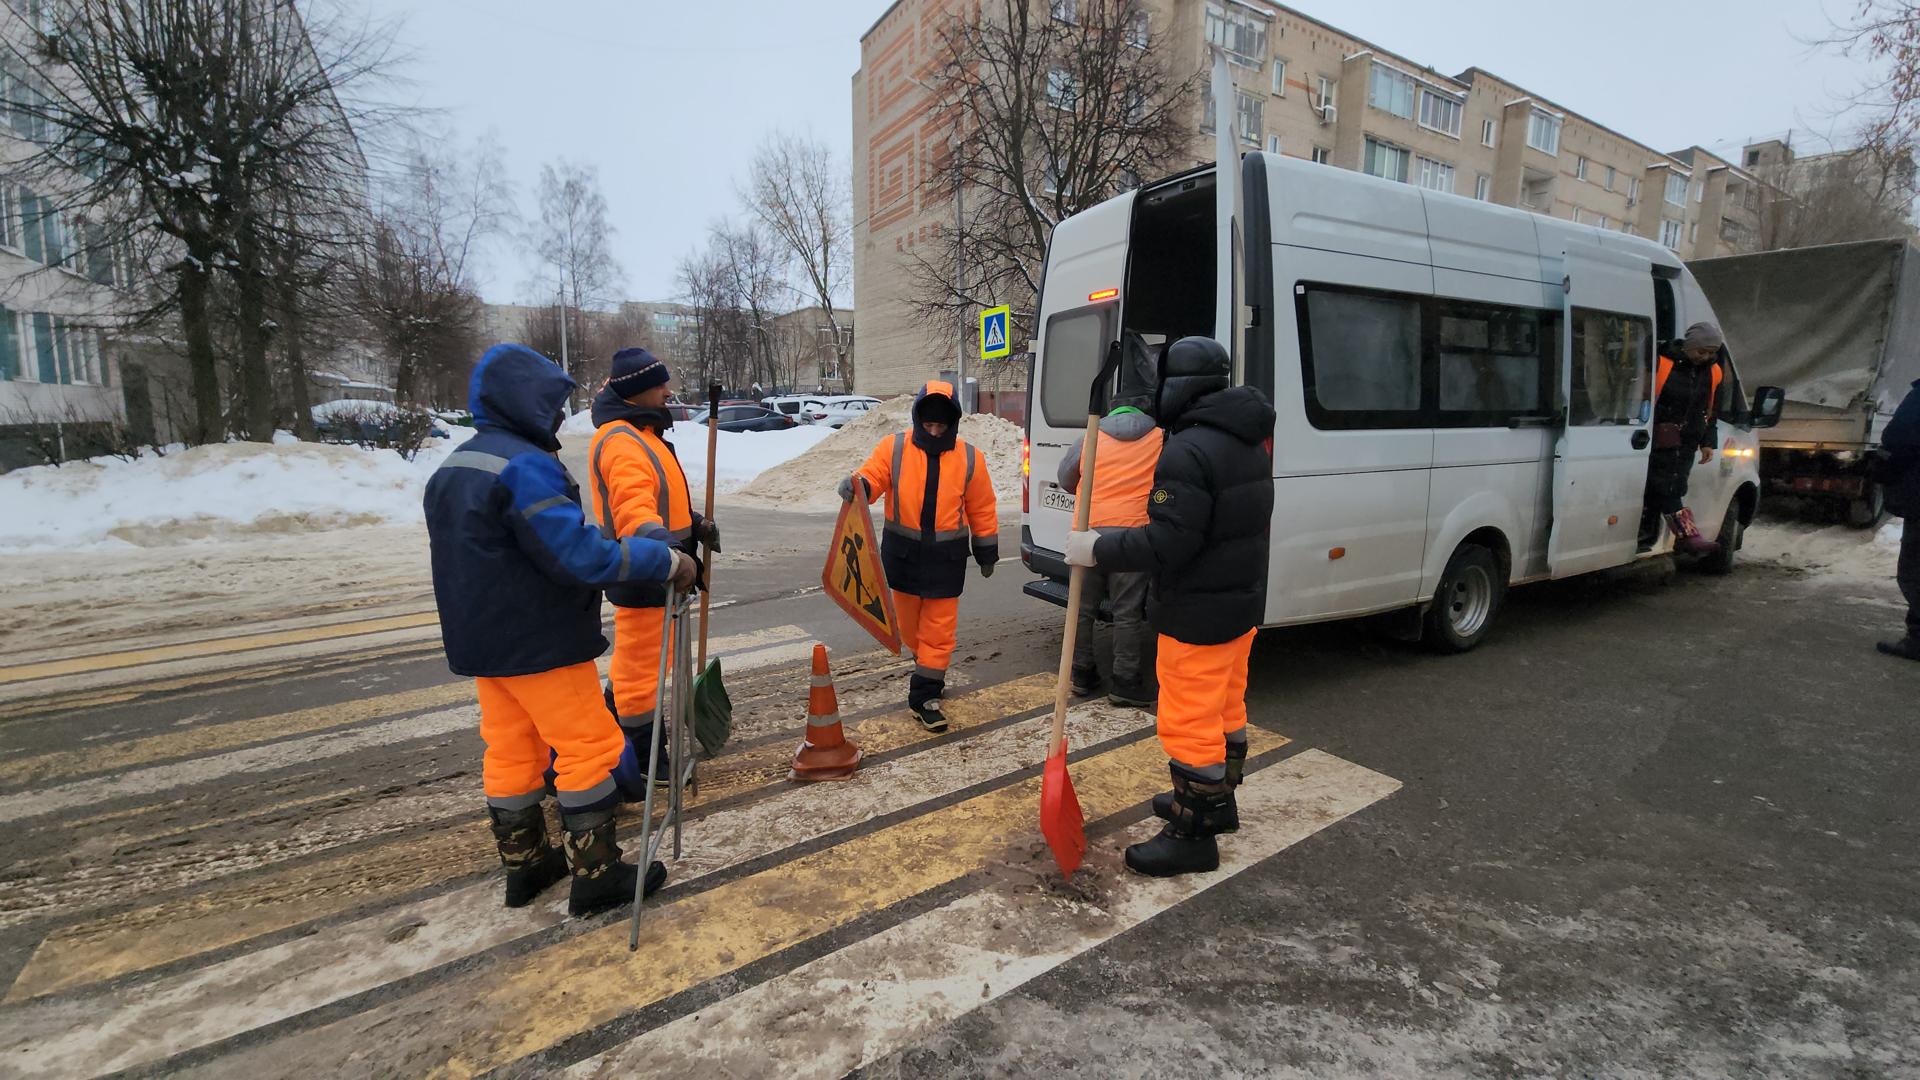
<point x="853" y="577"/>
<point x="995" y="341"/>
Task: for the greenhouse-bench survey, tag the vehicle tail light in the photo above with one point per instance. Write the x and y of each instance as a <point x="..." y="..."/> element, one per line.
<point x="1026" y="470"/>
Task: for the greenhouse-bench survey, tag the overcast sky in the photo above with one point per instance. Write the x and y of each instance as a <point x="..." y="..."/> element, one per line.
<point x="669" y="98"/>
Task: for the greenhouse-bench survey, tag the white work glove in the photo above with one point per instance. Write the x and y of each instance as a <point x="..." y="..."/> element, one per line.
<point x="684" y="570"/>
<point x="1080" y="547"/>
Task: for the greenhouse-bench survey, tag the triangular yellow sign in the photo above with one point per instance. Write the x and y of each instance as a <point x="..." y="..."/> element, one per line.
<point x="853" y="576"/>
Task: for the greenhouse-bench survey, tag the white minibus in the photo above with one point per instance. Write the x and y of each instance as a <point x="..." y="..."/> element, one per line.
<point x="1464" y="391"/>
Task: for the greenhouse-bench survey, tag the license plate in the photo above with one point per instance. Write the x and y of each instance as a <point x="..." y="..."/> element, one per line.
<point x="1055" y="499"/>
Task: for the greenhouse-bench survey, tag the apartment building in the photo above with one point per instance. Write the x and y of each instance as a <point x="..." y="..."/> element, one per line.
<point x="59" y="283"/>
<point x="1302" y="88"/>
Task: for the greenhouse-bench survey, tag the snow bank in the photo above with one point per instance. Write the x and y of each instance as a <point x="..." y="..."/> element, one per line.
<point x="1834" y="550"/>
<point x="807" y="482"/>
<point x="214" y="491"/>
<point x="743" y="454"/>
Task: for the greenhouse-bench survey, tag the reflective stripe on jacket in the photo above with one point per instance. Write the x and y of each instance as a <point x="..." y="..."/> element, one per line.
<point x="638" y="488"/>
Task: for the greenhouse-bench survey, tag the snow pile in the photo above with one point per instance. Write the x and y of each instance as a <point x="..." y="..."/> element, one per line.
<point x="1834" y="550"/>
<point x="743" y="455"/>
<point x="808" y="481"/>
<point x="214" y="491"/>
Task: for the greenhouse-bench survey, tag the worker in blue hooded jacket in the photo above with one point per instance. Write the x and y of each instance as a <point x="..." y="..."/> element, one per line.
<point x="517" y="574"/>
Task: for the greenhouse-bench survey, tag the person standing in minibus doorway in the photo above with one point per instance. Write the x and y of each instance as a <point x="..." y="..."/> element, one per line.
<point x="1686" y="389"/>
<point x="1899" y="476"/>
<point x="1205" y="547"/>
<point x="940" y="506"/>
<point x="1124" y="462"/>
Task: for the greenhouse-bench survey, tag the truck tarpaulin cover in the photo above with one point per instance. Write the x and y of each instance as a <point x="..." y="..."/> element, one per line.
<point x="1818" y="321"/>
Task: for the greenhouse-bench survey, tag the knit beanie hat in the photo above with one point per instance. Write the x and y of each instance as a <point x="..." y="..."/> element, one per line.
<point x="635" y="371"/>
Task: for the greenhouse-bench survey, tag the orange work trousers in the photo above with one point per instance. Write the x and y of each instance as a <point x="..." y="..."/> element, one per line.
<point x="635" y="669"/>
<point x="523" y="717"/>
<point x="1203" y="696"/>
<point x="929" y="629"/>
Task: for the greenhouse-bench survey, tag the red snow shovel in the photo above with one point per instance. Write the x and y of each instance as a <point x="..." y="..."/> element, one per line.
<point x="1061" y="820"/>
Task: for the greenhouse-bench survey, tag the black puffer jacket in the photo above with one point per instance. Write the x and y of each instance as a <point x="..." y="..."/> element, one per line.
<point x="1205" y="541"/>
<point x="1901" y="471"/>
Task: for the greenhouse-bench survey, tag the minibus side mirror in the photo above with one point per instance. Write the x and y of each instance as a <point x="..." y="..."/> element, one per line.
<point x="1768" y="401"/>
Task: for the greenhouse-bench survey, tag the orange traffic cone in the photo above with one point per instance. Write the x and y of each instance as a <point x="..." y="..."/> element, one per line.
<point x="825" y="754"/>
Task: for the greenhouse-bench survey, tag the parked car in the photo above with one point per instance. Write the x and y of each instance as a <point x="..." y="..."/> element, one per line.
<point x="681" y="411"/>
<point x="803" y="409"/>
<point x="833" y="410"/>
<point x="846" y="408"/>
<point x="747" y="418"/>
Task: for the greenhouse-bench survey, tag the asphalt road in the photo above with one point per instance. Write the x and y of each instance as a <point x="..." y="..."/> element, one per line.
<point x="1661" y="824"/>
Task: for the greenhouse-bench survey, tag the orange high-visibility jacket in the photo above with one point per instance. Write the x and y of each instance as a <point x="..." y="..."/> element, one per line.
<point x="931" y="563"/>
<point x="1665" y="369"/>
<point x="638" y="488"/>
<point x="1123" y="478"/>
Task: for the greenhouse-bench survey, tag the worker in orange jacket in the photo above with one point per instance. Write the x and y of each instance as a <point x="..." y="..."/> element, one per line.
<point x="1129" y="448"/>
<point x="638" y="489"/>
<point x="1686" y="392"/>
<point x="940" y="505"/>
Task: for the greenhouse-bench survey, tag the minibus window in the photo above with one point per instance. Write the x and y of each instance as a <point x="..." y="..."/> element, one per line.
<point x="1075" y="346"/>
<point x="1495" y="362"/>
<point x="1612" y="358"/>
<point x="1360" y="358"/>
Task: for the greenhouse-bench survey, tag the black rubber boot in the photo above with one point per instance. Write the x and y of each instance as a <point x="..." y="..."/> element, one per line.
<point x="600" y="879"/>
<point x="1084" y="682"/>
<point x="1227" y="818"/>
<point x="931" y="715"/>
<point x="1906" y="648"/>
<point x="532" y="863"/>
<point x="1182" y="846"/>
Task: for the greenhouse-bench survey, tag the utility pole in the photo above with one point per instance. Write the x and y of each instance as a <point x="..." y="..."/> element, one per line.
<point x="960" y="269"/>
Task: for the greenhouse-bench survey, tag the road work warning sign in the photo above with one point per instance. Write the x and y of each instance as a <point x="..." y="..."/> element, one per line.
<point x="853" y="577"/>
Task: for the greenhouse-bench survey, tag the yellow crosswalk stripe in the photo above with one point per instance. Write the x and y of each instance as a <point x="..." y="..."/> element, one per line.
<point x="287" y="896"/>
<point x="214" y="647"/>
<point x="492" y="1017"/>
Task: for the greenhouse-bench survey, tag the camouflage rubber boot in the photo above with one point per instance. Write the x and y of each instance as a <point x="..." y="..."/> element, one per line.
<point x="600" y="879"/>
<point x="532" y="863"/>
<point x="1227" y="818"/>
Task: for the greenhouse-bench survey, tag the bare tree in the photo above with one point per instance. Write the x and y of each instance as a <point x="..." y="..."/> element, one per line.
<point x="706" y="285"/>
<point x="799" y="193"/>
<point x="1049" y="117"/>
<point x="1885" y="33"/>
<point x="573" y="239"/>
<point x="213" y="131"/>
<point x="419" y="293"/>
<point x="1864" y="193"/>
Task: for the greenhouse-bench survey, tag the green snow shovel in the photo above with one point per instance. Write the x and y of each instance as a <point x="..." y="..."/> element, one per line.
<point x="712" y="709"/>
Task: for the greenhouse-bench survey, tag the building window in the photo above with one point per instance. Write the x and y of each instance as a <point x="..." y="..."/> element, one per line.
<point x="1060" y="88"/>
<point x="9" y="216"/>
<point x="1390" y="91"/>
<point x="1441" y="114"/>
<point x="10" y="367"/>
<point x="1486" y="133"/>
<point x="1604" y="223"/>
<point x="1066" y="10"/>
<point x="1247" y="110"/>
<point x="1273" y="144"/>
<point x="1279" y="77"/>
<point x="1700" y="190"/>
<point x="1753" y="158"/>
<point x="1137" y="30"/>
<point x="1676" y="188"/>
<point x="1385" y="160"/>
<point x="1240" y="32"/>
<point x="1483" y="187"/>
<point x="1537" y="194"/>
<point x="1693" y="233"/>
<point x="1543" y="132"/>
<point x="1633" y="190"/>
<point x="1322" y="155"/>
<point x="1670" y="233"/>
<point x="1580" y="168"/>
<point x="1435" y="175"/>
<point x="1610" y="175"/>
<point x="1327" y="91"/>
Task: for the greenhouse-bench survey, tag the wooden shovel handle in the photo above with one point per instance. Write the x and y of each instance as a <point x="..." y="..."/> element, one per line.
<point x="1077" y="576"/>
<point x="713" y="444"/>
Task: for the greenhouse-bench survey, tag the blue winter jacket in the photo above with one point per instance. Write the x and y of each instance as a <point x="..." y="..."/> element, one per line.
<point x="517" y="570"/>
<point x="1901" y="441"/>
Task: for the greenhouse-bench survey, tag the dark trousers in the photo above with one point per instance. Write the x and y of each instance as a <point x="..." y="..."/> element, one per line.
<point x="1667" y="473"/>
<point x="1132" y="637"/>
<point x="1908" y="573"/>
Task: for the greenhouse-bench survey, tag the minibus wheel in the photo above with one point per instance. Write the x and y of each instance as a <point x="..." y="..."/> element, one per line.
<point x="1470" y="593"/>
